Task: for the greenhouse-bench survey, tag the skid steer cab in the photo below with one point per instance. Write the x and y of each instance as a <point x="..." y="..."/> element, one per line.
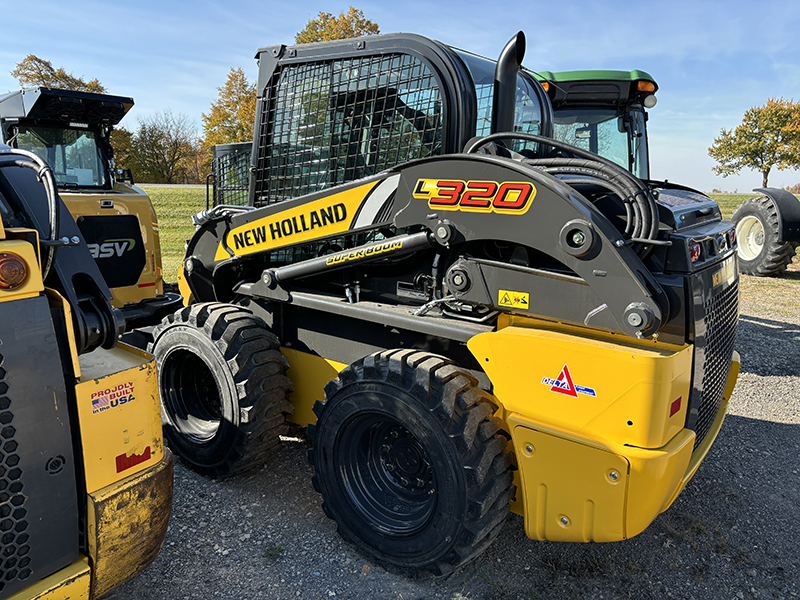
<point x="71" y="132"/>
<point x="471" y="317"/>
<point x="85" y="480"/>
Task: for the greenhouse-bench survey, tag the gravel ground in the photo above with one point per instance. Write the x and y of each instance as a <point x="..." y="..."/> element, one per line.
<point x="731" y="534"/>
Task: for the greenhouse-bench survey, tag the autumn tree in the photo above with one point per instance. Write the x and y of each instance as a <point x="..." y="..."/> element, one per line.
<point x="164" y="149"/>
<point x="33" y="71"/>
<point x="768" y="137"/>
<point x="232" y="116"/>
<point x="122" y="143"/>
<point x="326" y="27"/>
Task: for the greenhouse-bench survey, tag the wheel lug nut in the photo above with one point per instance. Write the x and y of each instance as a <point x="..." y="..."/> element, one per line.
<point x="395" y="434"/>
<point x="390" y="467"/>
<point x="404" y="482"/>
<point x="385" y="448"/>
<point x="420" y="483"/>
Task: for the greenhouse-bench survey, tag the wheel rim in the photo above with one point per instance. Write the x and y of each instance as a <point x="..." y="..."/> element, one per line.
<point x="192" y="400"/>
<point x="750" y="236"/>
<point x="387" y="475"/>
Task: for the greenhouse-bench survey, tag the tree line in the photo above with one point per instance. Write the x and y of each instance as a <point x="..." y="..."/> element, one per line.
<point x="166" y="147"/>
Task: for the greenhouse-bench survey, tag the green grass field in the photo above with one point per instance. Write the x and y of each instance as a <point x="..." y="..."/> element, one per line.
<point x="174" y="209"/>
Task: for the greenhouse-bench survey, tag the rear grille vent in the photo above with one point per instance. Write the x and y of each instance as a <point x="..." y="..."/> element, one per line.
<point x="721" y="314"/>
<point x="14" y="560"/>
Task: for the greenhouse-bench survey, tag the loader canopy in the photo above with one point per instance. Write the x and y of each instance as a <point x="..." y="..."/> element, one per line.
<point x="76" y="155"/>
<point x="334" y="112"/>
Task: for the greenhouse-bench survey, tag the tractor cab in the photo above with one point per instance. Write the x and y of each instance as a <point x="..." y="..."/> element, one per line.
<point x="604" y="112"/>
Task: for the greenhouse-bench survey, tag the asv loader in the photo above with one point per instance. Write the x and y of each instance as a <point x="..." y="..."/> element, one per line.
<point x="71" y="132"/>
<point x="468" y="325"/>
<point x="85" y="480"/>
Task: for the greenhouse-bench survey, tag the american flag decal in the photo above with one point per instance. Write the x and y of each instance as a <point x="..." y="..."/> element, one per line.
<point x="100" y="404"/>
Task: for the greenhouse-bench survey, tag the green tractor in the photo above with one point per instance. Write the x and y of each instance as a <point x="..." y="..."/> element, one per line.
<point x="604" y="112"/>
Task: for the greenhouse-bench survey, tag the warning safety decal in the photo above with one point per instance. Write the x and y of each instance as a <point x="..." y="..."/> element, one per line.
<point x="564" y="385"/>
<point x="513" y="299"/>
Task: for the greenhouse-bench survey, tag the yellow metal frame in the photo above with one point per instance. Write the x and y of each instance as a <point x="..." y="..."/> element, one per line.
<point x="605" y="452"/>
<point x="119" y="414"/>
<point x="127" y="524"/>
<point x="128" y="200"/>
<point x="309" y="373"/>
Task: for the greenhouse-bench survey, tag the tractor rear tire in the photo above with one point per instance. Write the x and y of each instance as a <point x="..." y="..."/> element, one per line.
<point x="757" y="227"/>
<point x="223" y="387"/>
<point x="410" y="462"/>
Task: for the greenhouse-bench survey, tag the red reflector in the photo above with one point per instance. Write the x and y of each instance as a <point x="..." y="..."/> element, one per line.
<point x="147" y="284"/>
<point x="694" y="251"/>
<point x="126" y="462"/>
<point x="675" y="407"/>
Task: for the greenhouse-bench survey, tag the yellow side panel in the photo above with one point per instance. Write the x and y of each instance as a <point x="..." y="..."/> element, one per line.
<point x="128" y="200"/>
<point x="70" y="583"/>
<point x="119" y="413"/>
<point x="127" y="523"/>
<point x="309" y="373"/>
<point x="616" y="390"/>
<point x="573" y="492"/>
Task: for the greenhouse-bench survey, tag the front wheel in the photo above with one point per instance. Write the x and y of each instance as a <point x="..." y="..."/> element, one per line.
<point x="410" y="462"/>
<point x="223" y="387"/>
<point x="761" y="253"/>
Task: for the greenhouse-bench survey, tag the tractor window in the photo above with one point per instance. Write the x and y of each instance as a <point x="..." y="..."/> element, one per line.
<point x="336" y="121"/>
<point x="74" y="155"/>
<point x="608" y="132"/>
<point x="528" y="110"/>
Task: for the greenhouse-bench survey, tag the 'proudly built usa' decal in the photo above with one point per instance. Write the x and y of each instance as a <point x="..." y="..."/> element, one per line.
<point x="564" y="385"/>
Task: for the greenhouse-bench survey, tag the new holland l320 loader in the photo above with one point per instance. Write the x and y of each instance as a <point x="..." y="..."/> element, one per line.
<point x="85" y="480"/>
<point x="468" y="325"/>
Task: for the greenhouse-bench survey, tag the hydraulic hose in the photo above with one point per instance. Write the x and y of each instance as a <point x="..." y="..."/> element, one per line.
<point x="640" y="205"/>
<point x="45" y="176"/>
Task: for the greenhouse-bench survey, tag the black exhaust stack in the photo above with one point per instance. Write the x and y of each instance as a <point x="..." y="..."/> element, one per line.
<point x="505" y="84"/>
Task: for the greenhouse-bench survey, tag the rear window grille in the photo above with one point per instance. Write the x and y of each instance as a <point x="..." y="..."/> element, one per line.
<point x="721" y="312"/>
<point x="327" y="123"/>
<point x="230" y="168"/>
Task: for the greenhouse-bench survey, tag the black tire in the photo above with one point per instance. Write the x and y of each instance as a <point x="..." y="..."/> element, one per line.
<point x="760" y="251"/>
<point x="223" y="387"/>
<point x="410" y="462"/>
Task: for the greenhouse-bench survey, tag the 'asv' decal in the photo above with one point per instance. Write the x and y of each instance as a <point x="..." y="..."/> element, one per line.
<point x="564" y="385"/>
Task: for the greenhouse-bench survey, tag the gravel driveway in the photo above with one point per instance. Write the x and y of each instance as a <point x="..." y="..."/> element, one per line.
<point x="733" y="532"/>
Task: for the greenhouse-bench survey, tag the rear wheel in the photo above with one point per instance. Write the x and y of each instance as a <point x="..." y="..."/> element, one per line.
<point x="757" y="234"/>
<point x="223" y="387"/>
<point x="410" y="462"/>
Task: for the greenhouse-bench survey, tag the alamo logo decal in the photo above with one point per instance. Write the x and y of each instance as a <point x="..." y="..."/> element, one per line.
<point x="563" y="384"/>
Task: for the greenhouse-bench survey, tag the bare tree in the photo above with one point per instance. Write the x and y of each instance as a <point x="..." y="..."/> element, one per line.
<point x="164" y="148"/>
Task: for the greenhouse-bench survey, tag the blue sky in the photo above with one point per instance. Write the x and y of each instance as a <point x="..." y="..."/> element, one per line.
<point x="712" y="60"/>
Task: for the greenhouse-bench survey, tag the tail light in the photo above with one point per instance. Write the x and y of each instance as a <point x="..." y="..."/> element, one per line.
<point x="695" y="250"/>
<point x="13" y="271"/>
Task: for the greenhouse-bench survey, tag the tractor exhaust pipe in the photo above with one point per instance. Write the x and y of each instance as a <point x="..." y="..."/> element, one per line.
<point x="505" y="84"/>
